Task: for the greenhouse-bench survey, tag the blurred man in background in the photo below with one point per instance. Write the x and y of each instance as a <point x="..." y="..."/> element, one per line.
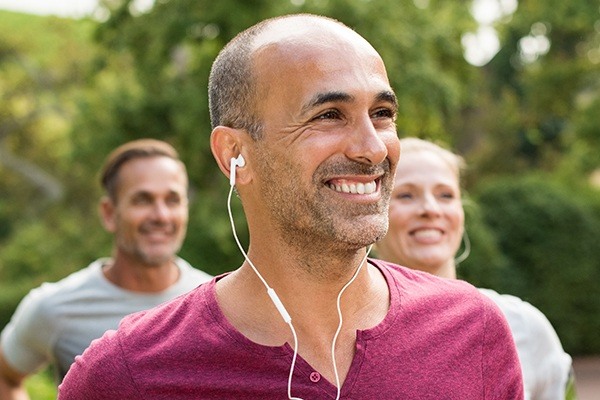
<point x="145" y="207"/>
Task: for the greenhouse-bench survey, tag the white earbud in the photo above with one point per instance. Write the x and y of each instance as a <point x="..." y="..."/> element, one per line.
<point x="235" y="162"/>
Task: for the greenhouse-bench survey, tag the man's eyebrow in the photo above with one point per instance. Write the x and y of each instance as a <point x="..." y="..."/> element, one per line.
<point x="388" y="96"/>
<point x="142" y="192"/>
<point x="331" y="97"/>
<point x="328" y="97"/>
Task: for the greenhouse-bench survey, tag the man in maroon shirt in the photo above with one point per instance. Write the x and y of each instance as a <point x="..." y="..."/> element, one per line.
<point x="304" y="119"/>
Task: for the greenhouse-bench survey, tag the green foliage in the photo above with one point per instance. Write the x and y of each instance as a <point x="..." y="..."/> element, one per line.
<point x="485" y="265"/>
<point x="42" y="63"/>
<point x="549" y="236"/>
<point x="548" y="89"/>
<point x="209" y="244"/>
<point x="41" y="386"/>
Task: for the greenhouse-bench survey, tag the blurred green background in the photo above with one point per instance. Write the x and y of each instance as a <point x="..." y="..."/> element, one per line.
<point x="526" y="118"/>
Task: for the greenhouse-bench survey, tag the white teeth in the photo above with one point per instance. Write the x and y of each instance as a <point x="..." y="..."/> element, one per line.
<point x="355" y="188"/>
<point x="428" y="234"/>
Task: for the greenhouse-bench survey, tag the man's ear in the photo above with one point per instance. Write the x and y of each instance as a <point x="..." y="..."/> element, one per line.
<point x="227" y="143"/>
<point x="107" y="212"/>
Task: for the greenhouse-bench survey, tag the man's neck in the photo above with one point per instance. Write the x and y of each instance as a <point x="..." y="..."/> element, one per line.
<point x="140" y="277"/>
<point x="312" y="305"/>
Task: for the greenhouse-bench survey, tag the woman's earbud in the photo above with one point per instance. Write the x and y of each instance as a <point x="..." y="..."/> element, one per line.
<point x="235" y="162"/>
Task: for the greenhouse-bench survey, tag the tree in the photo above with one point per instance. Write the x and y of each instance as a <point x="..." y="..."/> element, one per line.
<point x="42" y="63"/>
<point x="548" y="235"/>
<point x="539" y="91"/>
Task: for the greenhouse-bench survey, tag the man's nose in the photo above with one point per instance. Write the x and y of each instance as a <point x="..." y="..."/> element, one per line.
<point x="161" y="210"/>
<point x="365" y="144"/>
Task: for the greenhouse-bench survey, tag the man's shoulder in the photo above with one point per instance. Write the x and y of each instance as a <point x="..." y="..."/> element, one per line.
<point x="191" y="273"/>
<point x="407" y="276"/>
<point x="49" y="293"/>
<point x="169" y="316"/>
<point x="420" y="291"/>
<point x="39" y="316"/>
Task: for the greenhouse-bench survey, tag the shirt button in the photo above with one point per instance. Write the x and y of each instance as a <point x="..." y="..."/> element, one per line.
<point x="315" y="377"/>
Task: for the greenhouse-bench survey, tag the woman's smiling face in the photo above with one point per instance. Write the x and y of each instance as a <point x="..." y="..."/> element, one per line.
<point x="426" y="217"/>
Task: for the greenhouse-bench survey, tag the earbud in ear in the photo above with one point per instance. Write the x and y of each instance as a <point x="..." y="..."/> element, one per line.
<point x="235" y="162"/>
<point x="240" y="161"/>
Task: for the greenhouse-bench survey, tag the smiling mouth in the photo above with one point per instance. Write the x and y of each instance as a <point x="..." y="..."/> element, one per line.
<point x="160" y="231"/>
<point x="427" y="234"/>
<point x="160" y="235"/>
<point x="354" y="187"/>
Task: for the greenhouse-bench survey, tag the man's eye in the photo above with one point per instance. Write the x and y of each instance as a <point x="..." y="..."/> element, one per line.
<point x="142" y="200"/>
<point x="384" y="113"/>
<point x="331" y="114"/>
<point x="174" y="200"/>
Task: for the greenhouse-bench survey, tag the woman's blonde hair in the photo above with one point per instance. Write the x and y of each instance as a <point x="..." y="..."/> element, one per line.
<point x="415" y="145"/>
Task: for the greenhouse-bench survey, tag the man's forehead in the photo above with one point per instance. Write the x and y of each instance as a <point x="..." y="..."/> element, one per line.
<point x="299" y="29"/>
<point x="152" y="169"/>
<point x="145" y="189"/>
<point x="329" y="47"/>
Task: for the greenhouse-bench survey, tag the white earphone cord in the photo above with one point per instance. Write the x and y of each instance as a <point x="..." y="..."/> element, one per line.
<point x="271" y="293"/>
<point x="286" y="317"/>
<point x="339" y="310"/>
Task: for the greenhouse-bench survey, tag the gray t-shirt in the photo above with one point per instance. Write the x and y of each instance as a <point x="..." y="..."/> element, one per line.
<point x="57" y="321"/>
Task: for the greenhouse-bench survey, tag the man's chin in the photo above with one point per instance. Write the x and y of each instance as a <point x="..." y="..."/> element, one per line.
<point x="367" y="235"/>
<point x="158" y="253"/>
<point x="157" y="260"/>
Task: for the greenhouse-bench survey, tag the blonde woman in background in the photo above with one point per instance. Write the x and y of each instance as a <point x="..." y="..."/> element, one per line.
<point x="426" y="227"/>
